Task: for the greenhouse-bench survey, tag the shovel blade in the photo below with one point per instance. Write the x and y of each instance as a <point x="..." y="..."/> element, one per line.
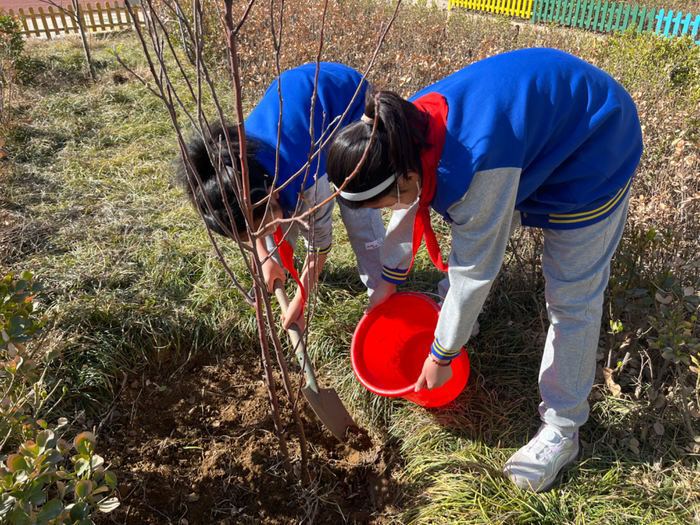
<point x="330" y="410"/>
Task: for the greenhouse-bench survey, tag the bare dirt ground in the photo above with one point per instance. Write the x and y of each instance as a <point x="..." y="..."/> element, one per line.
<point x="198" y="447"/>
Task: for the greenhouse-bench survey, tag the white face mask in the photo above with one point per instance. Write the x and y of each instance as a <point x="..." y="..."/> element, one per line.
<point x="404" y="205"/>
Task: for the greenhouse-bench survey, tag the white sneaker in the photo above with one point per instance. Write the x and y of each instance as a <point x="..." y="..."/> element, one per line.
<point x="536" y="465"/>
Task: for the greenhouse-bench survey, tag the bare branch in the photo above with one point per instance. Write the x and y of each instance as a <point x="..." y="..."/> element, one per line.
<point x="186" y="88"/>
<point x="338" y="122"/>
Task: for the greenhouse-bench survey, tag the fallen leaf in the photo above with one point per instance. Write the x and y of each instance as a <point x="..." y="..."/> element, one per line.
<point x="626" y="342"/>
<point x="659" y="428"/>
<point x="614" y="388"/>
<point x="638" y="392"/>
<point x="663" y="299"/>
<point x="634" y="445"/>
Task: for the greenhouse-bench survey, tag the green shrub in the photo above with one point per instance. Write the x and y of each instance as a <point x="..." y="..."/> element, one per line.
<point x="673" y="321"/>
<point x="647" y="63"/>
<point x="11" y="41"/>
<point x="11" y="47"/>
<point x="40" y="468"/>
<point x="22" y="385"/>
<point x="18" y="323"/>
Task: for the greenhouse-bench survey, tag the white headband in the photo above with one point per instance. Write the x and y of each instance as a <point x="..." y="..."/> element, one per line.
<point x="367" y="194"/>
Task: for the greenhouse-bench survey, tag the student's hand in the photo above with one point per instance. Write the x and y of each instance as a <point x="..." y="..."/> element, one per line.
<point x="271" y="272"/>
<point x="433" y="375"/>
<point x="294" y="314"/>
<point x="381" y="293"/>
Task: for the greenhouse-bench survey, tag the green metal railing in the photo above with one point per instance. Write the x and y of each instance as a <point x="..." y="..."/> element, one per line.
<point x="593" y="15"/>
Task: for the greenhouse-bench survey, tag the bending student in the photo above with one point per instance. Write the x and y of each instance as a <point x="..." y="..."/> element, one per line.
<point x="537" y="131"/>
<point x="336" y="87"/>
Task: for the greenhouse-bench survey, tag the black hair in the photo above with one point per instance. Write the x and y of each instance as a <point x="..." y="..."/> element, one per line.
<point x="210" y="189"/>
<point x="400" y="136"/>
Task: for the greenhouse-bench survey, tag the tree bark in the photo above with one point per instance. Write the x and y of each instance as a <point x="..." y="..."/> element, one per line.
<point x="83" y="37"/>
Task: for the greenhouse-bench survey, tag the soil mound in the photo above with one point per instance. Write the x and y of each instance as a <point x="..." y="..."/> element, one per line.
<point x="198" y="447"/>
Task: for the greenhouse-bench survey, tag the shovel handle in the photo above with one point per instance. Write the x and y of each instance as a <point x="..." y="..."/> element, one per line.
<point x="297" y="339"/>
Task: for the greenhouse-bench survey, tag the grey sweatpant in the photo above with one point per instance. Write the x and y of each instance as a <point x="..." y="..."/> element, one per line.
<point x="576" y="267"/>
<point x="366" y="235"/>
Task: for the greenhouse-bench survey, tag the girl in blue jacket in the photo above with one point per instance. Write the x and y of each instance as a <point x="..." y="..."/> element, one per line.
<point x="536" y="136"/>
<point x="339" y="100"/>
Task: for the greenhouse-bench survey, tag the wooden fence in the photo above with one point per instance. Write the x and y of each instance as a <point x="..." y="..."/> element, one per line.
<point x="593" y="15"/>
<point x="54" y="21"/>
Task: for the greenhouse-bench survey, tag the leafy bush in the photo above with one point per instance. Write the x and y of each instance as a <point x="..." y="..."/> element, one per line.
<point x="40" y="467"/>
<point x="16" y="320"/>
<point x="654" y="311"/>
<point x="647" y="63"/>
<point x="12" y="44"/>
<point x="11" y="47"/>
<point x="22" y="387"/>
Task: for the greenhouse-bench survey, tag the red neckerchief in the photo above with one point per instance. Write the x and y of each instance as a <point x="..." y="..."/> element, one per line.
<point x="287" y="258"/>
<point x="435" y="106"/>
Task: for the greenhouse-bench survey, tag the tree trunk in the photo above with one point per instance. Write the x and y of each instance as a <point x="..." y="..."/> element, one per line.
<point x="83" y="37"/>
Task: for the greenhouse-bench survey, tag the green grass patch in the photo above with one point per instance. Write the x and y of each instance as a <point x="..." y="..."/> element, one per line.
<point x="132" y="281"/>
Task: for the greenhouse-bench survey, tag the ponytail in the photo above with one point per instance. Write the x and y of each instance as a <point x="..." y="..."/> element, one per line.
<point x="406" y="128"/>
<point x="400" y="135"/>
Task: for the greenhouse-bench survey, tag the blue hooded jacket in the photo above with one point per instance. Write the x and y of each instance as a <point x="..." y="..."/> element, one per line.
<point x="570" y="127"/>
<point x="336" y="87"/>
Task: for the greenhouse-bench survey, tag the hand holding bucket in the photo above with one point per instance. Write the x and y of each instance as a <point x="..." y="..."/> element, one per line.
<point x="390" y="346"/>
<point x="434" y="374"/>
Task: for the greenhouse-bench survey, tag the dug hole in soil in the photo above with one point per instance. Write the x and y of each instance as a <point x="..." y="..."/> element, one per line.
<point x="198" y="447"/>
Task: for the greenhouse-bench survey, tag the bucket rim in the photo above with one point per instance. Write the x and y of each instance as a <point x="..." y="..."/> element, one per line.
<point x="354" y="350"/>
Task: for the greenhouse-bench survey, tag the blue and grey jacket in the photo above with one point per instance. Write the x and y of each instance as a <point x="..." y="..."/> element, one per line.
<point x="537" y="131"/>
<point x="337" y="88"/>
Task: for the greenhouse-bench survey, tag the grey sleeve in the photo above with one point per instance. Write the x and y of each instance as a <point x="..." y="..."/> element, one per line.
<point x="397" y="250"/>
<point x="319" y="236"/>
<point x="480" y="230"/>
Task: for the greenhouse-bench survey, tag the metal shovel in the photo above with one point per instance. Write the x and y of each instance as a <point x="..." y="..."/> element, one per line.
<point x="324" y="401"/>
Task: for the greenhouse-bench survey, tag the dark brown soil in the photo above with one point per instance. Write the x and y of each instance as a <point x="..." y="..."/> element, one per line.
<point x="198" y="447"/>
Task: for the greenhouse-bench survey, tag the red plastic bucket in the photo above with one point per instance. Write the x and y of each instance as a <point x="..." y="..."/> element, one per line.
<point x="391" y="343"/>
